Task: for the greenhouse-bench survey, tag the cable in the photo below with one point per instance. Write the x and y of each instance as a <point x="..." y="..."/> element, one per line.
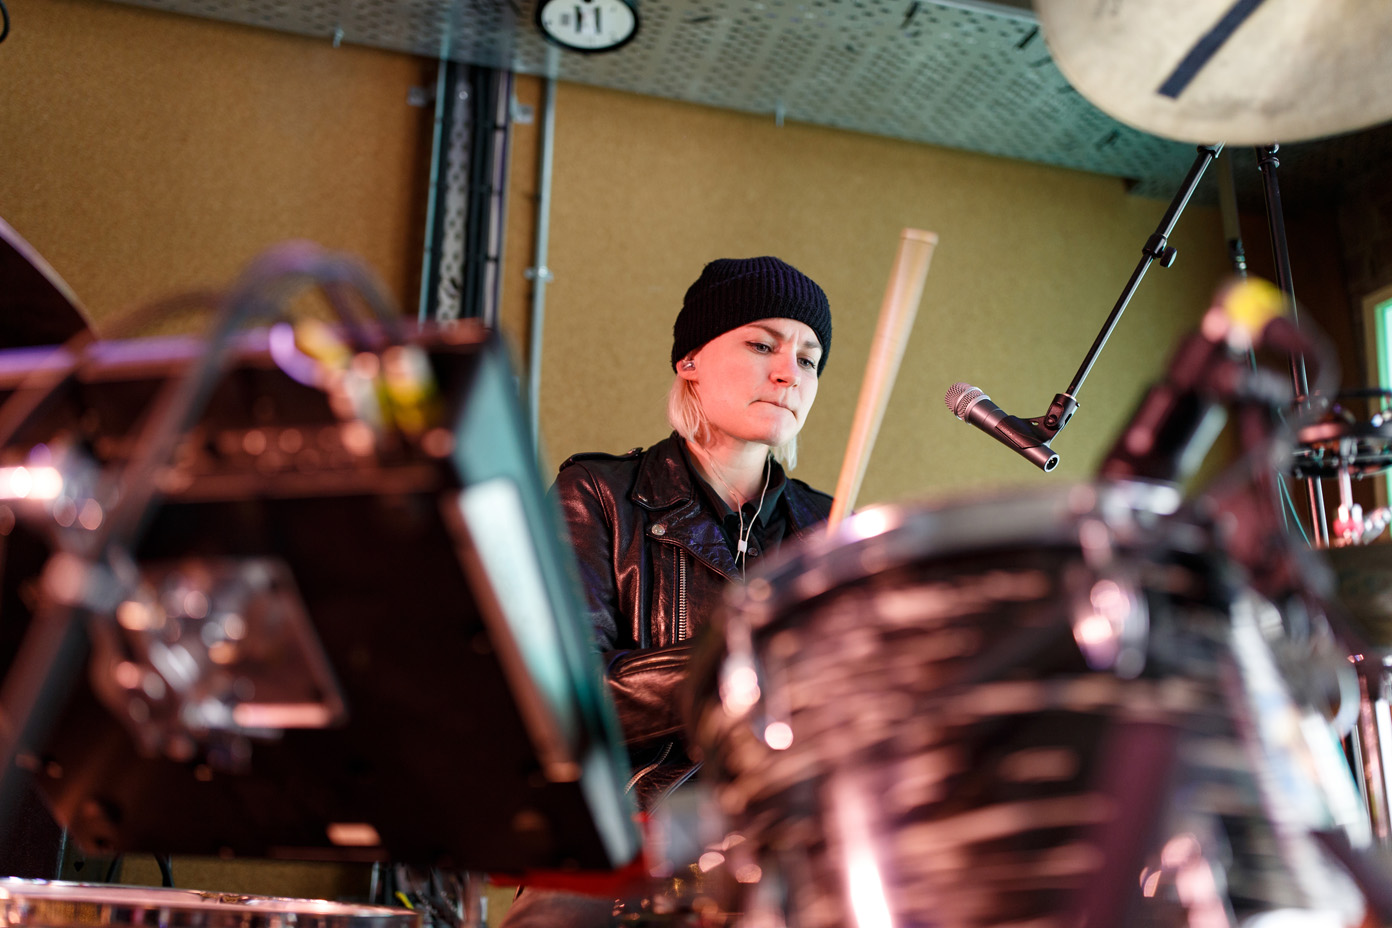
<point x="4" y="21"/>
<point x="1290" y="507"/>
<point x="742" y="548"/>
<point x="166" y="868"/>
<point x="112" y="869"/>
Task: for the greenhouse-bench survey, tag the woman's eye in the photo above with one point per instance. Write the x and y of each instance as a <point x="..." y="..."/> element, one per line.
<point x="808" y="363"/>
<point x="760" y="347"/>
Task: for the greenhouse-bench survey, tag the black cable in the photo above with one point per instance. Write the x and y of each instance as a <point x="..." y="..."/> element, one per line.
<point x="62" y="854"/>
<point x="112" y="869"/>
<point x="166" y="867"/>
<point x="4" y="21"/>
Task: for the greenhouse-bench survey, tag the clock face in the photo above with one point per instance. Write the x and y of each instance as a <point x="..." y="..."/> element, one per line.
<point x="587" y="25"/>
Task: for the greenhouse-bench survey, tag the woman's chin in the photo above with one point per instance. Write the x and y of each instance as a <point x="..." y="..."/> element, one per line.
<point x="775" y="437"/>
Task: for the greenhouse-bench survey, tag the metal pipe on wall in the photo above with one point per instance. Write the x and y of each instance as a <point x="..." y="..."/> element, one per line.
<point x="433" y="196"/>
<point x="539" y="273"/>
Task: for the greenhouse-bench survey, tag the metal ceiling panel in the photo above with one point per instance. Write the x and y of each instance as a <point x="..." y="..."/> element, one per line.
<point x="967" y="75"/>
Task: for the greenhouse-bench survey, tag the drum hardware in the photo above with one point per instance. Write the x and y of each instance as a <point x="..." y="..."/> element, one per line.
<point x="983" y="758"/>
<point x="1032" y="438"/>
<point x="1354" y="441"/>
<point x="441" y="899"/>
<point x="1364" y="582"/>
<point x="43" y="904"/>
<point x="1343" y="446"/>
<point x="212" y="655"/>
<point x="1267" y="164"/>
<point x="927" y="718"/>
<point x="275" y="568"/>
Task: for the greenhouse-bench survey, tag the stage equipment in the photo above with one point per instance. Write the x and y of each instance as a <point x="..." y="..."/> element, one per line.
<point x="322" y="604"/>
<point x="1247" y="71"/>
<point x="1032" y="437"/>
<point x="973" y="406"/>
<point x="1351" y="441"/>
<point x="41" y="904"/>
<point x="1085" y="706"/>
<point x="36" y="306"/>
<point x="1267" y="164"/>
<point x="1364" y="574"/>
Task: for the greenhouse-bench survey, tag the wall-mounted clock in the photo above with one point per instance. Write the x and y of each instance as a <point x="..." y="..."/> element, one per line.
<point x="588" y="25"/>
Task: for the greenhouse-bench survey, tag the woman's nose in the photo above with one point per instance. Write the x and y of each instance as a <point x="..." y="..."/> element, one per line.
<point x="785" y="370"/>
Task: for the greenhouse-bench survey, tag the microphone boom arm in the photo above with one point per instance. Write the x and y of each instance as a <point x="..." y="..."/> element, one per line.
<point x="1157" y="248"/>
<point x="1032" y="437"/>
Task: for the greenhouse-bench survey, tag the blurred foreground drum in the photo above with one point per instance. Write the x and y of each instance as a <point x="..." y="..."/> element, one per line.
<point x="1058" y="708"/>
<point x="42" y="904"/>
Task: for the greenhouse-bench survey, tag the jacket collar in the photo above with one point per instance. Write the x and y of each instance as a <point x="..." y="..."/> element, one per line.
<point x="663" y="478"/>
<point x="664" y="487"/>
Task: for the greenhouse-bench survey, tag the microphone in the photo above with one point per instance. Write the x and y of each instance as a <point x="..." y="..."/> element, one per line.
<point x="970" y="404"/>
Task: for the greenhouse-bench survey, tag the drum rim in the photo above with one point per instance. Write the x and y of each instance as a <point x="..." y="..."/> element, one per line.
<point x="914" y="531"/>
<point x="125" y="905"/>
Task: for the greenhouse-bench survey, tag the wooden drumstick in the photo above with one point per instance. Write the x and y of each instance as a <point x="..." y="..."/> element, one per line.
<point x="897" y="314"/>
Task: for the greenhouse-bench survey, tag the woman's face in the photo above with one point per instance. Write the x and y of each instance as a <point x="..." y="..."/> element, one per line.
<point x="757" y="383"/>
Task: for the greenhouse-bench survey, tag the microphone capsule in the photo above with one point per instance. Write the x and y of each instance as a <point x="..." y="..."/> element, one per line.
<point x="961" y="397"/>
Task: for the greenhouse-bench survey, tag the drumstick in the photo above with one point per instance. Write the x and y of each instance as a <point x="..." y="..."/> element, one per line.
<point x="897" y="314"/>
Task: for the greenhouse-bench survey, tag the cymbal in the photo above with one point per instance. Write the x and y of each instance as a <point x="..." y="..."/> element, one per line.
<point x="36" y="306"/>
<point x="1244" y="72"/>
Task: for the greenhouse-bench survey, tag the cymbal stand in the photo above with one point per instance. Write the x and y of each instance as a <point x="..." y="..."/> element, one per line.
<point x="1371" y="744"/>
<point x="1267" y="163"/>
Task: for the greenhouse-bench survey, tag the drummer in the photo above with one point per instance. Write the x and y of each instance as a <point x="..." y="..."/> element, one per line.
<point x="659" y="533"/>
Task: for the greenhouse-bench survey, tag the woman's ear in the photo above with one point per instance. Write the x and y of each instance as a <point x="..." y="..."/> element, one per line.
<point x="686" y="368"/>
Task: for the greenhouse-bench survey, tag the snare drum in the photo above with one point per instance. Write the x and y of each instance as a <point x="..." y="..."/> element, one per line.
<point x="1050" y="708"/>
<point x="42" y="904"/>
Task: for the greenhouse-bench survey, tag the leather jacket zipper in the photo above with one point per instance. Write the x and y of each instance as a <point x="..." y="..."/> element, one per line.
<point x="681" y="596"/>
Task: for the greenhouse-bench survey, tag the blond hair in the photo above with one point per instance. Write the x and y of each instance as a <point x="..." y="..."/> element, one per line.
<point x="685" y="413"/>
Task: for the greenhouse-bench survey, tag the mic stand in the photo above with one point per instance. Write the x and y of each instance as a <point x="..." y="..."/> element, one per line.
<point x="1157" y="248"/>
<point x="1267" y="163"/>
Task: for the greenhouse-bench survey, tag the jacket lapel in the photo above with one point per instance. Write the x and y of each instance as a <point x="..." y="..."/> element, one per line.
<point x="664" y="488"/>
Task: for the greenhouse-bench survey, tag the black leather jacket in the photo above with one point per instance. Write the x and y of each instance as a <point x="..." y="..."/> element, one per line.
<point x="654" y="565"/>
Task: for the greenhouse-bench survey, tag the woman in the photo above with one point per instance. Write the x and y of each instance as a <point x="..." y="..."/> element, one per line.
<point x="660" y="533"/>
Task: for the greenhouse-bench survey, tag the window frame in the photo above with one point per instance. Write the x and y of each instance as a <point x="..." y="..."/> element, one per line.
<point x="1377" y="324"/>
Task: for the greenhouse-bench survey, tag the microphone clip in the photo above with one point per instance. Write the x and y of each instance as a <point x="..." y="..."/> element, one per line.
<point x="1042" y="430"/>
<point x="1053" y="421"/>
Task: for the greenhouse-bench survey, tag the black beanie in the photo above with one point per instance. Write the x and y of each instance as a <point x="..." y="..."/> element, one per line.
<point x="732" y="292"/>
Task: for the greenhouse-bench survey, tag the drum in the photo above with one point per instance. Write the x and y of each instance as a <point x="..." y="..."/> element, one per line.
<point x="42" y="904"/>
<point x="1047" y="708"/>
